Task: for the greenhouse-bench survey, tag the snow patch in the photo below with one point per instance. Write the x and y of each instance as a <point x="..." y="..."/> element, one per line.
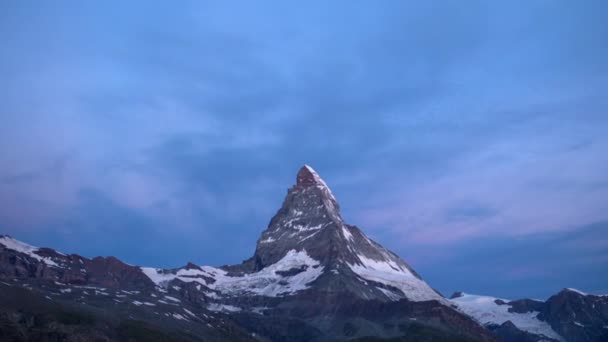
<point x="162" y="277"/>
<point x="259" y="309"/>
<point x="173" y="299"/>
<point x="180" y="317"/>
<point x="576" y="291"/>
<point x="189" y="312"/>
<point x="389" y="273"/>
<point x="223" y="307"/>
<point x="347" y="235"/>
<point x="267" y="282"/>
<point x="211" y="295"/>
<point x="302" y="228"/>
<point x="269" y="240"/>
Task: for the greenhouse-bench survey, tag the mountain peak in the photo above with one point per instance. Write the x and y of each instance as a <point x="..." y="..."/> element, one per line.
<point x="307" y="176"/>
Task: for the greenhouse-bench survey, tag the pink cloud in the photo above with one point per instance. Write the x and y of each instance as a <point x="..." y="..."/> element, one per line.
<point x="535" y="190"/>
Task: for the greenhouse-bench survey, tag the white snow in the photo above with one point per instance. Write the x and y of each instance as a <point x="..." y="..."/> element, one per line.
<point x="24" y="248"/>
<point x="579" y="324"/>
<point x="180" y="317"/>
<point x="485" y="311"/>
<point x="138" y="303"/>
<point x="390" y="273"/>
<point x="389" y="294"/>
<point x="269" y="240"/>
<point x="161" y="277"/>
<point x="259" y="309"/>
<point x="330" y="202"/>
<point x="264" y="283"/>
<point x="577" y="291"/>
<point x="347" y="234"/>
<point x="302" y="228"/>
<point x="211" y="294"/>
<point x="223" y="307"/>
<point x="189" y="312"/>
<point x="308" y="237"/>
<point x="172" y="299"/>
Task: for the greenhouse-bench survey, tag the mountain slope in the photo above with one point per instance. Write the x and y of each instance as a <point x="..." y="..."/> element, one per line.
<point x="569" y="315"/>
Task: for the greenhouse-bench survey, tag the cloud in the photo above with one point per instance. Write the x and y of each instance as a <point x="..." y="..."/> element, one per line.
<point x="433" y="123"/>
<point x="512" y="187"/>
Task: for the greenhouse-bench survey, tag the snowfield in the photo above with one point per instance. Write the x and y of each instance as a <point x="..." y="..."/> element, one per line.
<point x="266" y="282"/>
<point x="390" y="273"/>
<point x="485" y="311"/>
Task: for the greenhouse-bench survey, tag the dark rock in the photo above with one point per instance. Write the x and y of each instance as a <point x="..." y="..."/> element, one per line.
<point x="457" y="294"/>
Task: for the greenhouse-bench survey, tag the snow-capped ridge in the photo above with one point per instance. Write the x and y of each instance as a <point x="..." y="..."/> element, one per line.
<point x="488" y="310"/>
<point x="569" y="289"/>
<point x="26" y="249"/>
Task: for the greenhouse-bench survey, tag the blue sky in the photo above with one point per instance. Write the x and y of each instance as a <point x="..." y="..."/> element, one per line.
<point x="470" y="138"/>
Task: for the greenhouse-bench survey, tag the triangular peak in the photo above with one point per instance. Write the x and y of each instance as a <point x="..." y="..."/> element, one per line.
<point x="307" y="177"/>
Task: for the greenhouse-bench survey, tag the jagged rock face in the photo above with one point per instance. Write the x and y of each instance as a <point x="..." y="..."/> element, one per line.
<point x="309" y="219"/>
<point x="577" y="316"/>
<point x="508" y="332"/>
<point x="525" y="305"/>
<point x="23" y="261"/>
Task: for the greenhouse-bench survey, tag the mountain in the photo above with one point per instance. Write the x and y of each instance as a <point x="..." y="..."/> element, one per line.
<point x="312" y="277"/>
<point x="569" y="315"/>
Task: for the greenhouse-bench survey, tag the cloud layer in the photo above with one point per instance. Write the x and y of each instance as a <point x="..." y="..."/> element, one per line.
<point x="178" y="128"/>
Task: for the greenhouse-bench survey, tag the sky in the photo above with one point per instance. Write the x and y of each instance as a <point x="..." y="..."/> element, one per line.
<point x="468" y="137"/>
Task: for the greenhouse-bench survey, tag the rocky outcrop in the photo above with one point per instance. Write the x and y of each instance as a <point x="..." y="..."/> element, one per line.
<point x="577" y="316"/>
